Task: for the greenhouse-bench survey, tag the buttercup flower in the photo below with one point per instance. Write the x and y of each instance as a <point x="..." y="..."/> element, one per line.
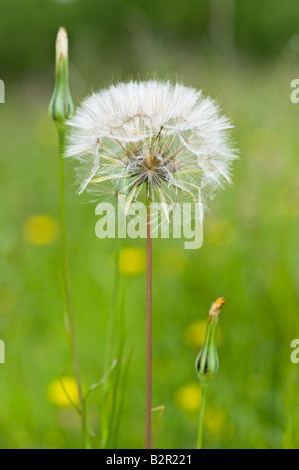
<point x="132" y="261"/>
<point x="168" y="138"/>
<point x="188" y="397"/>
<point x="40" y="229"/>
<point x="60" y="395"/>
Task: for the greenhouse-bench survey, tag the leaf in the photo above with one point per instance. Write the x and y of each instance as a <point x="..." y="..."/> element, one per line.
<point x="103" y="381"/>
<point x="120" y="409"/>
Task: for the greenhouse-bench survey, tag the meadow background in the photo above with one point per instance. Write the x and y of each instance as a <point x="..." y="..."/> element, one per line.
<point x="245" y="55"/>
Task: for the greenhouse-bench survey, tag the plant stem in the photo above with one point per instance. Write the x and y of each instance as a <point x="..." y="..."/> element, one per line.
<point x="204" y="392"/>
<point x="148" y="327"/>
<point x="112" y="312"/>
<point x="108" y="348"/>
<point x="68" y="294"/>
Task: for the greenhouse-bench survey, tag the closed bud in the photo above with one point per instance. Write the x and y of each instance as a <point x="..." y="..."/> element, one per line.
<point x="207" y="360"/>
<point x="61" y="105"/>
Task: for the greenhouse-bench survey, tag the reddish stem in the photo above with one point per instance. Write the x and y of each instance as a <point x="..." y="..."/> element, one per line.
<point x="148" y="328"/>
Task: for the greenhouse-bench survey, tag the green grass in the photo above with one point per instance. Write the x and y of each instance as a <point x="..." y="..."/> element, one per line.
<point x="249" y="256"/>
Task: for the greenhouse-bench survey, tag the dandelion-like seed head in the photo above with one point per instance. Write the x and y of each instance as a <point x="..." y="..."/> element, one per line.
<point x="168" y="138"/>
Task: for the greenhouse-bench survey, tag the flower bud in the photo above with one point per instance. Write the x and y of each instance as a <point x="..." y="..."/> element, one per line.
<point x="207" y="360"/>
<point x="61" y="105"/>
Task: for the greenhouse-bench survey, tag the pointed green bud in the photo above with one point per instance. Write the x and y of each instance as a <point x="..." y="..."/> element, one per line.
<point x="207" y="360"/>
<point x="61" y="105"/>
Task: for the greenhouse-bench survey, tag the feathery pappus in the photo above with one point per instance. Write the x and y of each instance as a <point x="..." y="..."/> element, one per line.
<point x="167" y="138"/>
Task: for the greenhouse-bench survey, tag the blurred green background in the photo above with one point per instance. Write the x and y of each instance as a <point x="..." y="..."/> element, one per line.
<point x="244" y="54"/>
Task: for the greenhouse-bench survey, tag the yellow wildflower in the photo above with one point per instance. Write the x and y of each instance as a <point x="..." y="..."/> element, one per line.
<point x="215" y="421"/>
<point x="132" y="260"/>
<point x="194" y="334"/>
<point x="58" y="396"/>
<point x="188" y="398"/>
<point x="40" y="229"/>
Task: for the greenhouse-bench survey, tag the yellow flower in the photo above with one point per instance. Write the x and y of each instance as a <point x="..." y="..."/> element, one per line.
<point x="132" y="261"/>
<point x="215" y="421"/>
<point x="194" y="334"/>
<point x="40" y="229"/>
<point x="58" y="396"/>
<point x="188" y="398"/>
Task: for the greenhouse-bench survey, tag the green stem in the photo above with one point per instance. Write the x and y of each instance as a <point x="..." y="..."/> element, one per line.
<point x="68" y="294"/>
<point x="204" y="393"/>
<point x="111" y="319"/>
<point x="108" y="348"/>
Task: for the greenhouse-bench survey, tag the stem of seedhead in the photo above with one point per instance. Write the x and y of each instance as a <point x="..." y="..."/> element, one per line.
<point x="148" y="327"/>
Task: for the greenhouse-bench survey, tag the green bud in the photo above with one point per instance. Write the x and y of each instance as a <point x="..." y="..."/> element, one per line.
<point x="61" y="105"/>
<point x="207" y="360"/>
